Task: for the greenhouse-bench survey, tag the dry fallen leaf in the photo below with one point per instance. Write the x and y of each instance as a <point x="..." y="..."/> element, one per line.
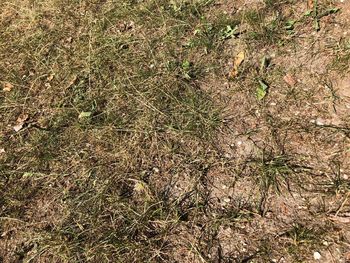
<point x="2" y="150"/>
<point x="310" y="4"/>
<point x="290" y="80"/>
<point x="20" y="122"/>
<point x="50" y="77"/>
<point x="22" y="118"/>
<point x="7" y="86"/>
<point x="347" y="256"/>
<point x="236" y="63"/>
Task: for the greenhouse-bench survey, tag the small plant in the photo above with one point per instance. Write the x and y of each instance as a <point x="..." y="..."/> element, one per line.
<point x="303" y="238"/>
<point x="186" y="67"/>
<point x="262" y="90"/>
<point x="229" y="32"/>
<point x="301" y="234"/>
<point x="274" y="173"/>
<point x="338" y="184"/>
<point x="211" y="34"/>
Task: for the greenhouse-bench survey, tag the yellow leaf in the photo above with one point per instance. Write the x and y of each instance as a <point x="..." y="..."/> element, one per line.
<point x="236" y="63"/>
<point x="139" y="187"/>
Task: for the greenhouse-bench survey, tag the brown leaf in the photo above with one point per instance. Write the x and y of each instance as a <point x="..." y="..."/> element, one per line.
<point x="7" y="86"/>
<point x="310" y="4"/>
<point x="236" y="63"/>
<point x="20" y="122"/>
<point x="290" y="80"/>
<point x="2" y="150"/>
<point x="347" y="256"/>
<point x="22" y="118"/>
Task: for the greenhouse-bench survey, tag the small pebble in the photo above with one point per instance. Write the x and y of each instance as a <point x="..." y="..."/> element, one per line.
<point x="317" y="255"/>
<point x="227" y="200"/>
<point x="319" y="122"/>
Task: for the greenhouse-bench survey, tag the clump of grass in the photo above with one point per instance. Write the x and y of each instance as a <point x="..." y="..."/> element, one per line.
<point x="336" y="182"/>
<point x="273" y="175"/>
<point x="268" y="25"/>
<point x="301" y="234"/>
<point x="266" y="28"/>
<point x="274" y="172"/>
<point x="303" y="238"/>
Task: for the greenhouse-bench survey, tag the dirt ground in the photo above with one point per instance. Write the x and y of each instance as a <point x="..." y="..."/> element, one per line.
<point x="125" y="136"/>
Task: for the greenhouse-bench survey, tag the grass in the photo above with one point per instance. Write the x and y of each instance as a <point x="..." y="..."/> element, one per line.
<point x="268" y="26"/>
<point x="122" y="140"/>
<point x="342" y="58"/>
<point x="301" y="234"/>
<point x="144" y="110"/>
